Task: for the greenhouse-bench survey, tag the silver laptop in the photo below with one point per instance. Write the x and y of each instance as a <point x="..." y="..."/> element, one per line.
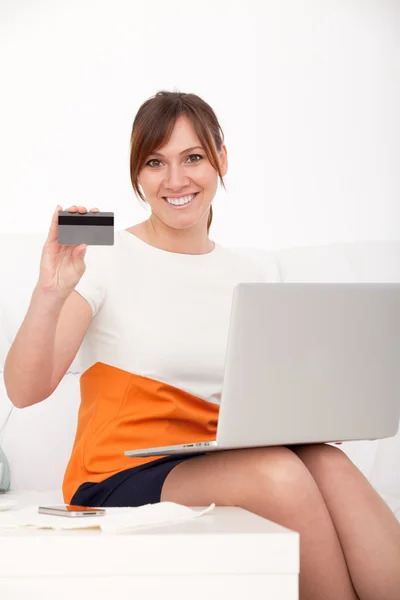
<point x="307" y="363"/>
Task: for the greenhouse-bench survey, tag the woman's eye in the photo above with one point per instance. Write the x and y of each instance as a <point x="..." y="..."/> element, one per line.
<point x="151" y="161"/>
<point x="200" y="156"/>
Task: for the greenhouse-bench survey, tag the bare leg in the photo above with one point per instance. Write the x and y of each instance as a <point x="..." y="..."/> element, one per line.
<point x="369" y="532"/>
<point x="274" y="483"/>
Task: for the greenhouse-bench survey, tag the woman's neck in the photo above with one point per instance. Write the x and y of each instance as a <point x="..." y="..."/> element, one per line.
<point x="181" y="241"/>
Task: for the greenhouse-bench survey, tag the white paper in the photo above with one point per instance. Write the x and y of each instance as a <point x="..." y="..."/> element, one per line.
<point x="116" y="518"/>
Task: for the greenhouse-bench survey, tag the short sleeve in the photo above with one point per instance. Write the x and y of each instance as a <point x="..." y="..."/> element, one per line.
<point x="92" y="285"/>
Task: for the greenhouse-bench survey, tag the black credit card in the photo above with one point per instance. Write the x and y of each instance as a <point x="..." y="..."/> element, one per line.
<point x="91" y="228"/>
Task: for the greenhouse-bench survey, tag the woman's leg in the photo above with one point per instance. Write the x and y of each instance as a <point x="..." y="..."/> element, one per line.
<point x="274" y="483"/>
<point x="369" y="532"/>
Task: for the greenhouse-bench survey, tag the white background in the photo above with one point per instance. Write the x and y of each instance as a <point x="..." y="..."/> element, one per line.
<point x="306" y="92"/>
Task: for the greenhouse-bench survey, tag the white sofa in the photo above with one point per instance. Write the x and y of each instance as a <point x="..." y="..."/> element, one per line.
<point x="38" y="440"/>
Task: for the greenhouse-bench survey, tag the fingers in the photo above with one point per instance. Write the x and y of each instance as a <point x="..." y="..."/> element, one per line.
<point x="81" y="209"/>
<point x="79" y="251"/>
<point x="53" y="231"/>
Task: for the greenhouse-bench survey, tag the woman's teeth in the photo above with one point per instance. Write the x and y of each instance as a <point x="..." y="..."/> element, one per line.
<point x="180" y="201"/>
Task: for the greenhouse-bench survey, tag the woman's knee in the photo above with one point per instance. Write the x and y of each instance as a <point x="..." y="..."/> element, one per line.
<point x="276" y="473"/>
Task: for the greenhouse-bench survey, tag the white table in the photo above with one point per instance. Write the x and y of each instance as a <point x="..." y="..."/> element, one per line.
<point x="229" y="553"/>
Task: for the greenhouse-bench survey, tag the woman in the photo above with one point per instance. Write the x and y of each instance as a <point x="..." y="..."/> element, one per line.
<point x="153" y="313"/>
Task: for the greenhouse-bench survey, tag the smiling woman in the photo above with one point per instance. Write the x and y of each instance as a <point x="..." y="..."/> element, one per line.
<point x="177" y="154"/>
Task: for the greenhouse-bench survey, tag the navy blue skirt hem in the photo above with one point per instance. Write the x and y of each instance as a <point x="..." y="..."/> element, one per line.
<point x="131" y="487"/>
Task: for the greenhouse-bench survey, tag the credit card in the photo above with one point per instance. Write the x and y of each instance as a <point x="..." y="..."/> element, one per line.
<point x="91" y="228"/>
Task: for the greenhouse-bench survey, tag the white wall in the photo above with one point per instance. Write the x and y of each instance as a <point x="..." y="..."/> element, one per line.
<point x="307" y="94"/>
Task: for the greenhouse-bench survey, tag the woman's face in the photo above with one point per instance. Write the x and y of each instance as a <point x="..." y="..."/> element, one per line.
<point x="180" y="169"/>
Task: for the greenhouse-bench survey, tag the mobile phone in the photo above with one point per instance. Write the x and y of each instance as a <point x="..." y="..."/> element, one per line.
<point x="71" y="510"/>
<point x="91" y="228"/>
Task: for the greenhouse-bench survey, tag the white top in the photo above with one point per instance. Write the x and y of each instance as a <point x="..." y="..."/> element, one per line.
<point x="162" y="314"/>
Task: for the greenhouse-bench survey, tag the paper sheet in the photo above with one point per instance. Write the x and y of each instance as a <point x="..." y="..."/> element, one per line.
<point x="116" y="518"/>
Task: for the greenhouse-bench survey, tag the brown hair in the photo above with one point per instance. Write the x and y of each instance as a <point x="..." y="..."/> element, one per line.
<point x="154" y="123"/>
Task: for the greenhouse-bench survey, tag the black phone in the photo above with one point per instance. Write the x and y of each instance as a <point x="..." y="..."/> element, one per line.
<point x="71" y="510"/>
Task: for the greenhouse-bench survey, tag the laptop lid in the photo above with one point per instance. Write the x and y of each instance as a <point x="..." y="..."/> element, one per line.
<point x="311" y="362"/>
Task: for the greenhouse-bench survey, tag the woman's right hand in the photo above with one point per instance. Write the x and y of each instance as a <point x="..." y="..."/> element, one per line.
<point x="61" y="267"/>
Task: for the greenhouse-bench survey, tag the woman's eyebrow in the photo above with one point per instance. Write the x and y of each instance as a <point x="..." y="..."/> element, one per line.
<point x="183" y="151"/>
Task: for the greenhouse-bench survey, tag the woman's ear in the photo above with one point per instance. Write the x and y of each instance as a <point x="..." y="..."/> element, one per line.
<point x="223" y="158"/>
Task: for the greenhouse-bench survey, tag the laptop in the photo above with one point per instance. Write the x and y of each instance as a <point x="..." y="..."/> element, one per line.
<point x="306" y="363"/>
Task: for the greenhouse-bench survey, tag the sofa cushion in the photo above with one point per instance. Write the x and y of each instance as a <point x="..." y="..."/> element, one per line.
<point x="377" y="261"/>
<point x="38" y="440"/>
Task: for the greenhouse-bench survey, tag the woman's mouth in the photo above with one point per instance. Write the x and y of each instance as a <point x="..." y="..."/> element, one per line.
<point x="180" y="203"/>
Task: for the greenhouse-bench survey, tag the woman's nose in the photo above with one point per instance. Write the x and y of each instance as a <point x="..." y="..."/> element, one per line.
<point x="176" y="178"/>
